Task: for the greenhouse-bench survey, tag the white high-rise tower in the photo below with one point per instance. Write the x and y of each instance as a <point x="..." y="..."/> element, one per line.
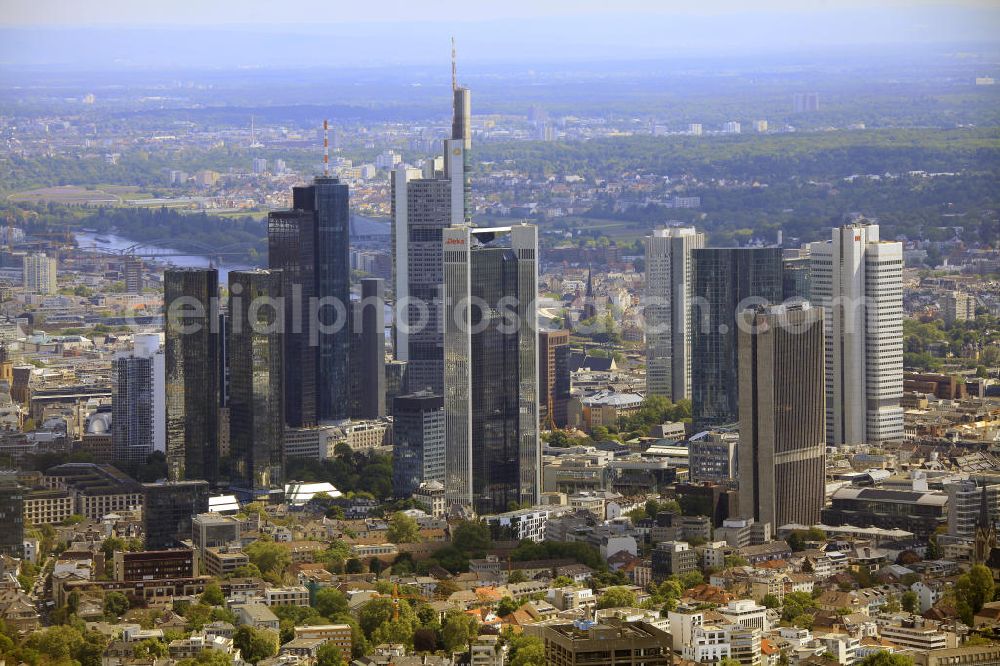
<point x="858" y="281"/>
<point x="667" y="310"/>
<point x="138" y="403"/>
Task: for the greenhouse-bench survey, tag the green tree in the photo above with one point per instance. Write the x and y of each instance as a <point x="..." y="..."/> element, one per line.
<point x="212" y="595"/>
<point x="456" y="632"/>
<point x="616" y="597"/>
<point x="329" y="655"/>
<point x="526" y="651"/>
<point x="770" y="601"/>
<point x="331" y="602"/>
<point x="886" y="659"/>
<point x="255" y="644"/>
<point x="973" y="590"/>
<point x="797" y="604"/>
<point x="471" y="538"/>
<point x="115" y="605"/>
<point x="908" y="600"/>
<point x="506" y="606"/>
<point x="273" y="559"/>
<point x="150" y="647"/>
<point x="517" y="576"/>
<point x="403" y="529"/>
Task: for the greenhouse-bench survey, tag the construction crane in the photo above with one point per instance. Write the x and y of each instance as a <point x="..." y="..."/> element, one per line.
<point x="396" y="596"/>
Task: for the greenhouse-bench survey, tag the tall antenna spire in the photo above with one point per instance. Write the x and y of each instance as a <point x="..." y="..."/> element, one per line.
<point x="326" y="148"/>
<point x="454" y="66"/>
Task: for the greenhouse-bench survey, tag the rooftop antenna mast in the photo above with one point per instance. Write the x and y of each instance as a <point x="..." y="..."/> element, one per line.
<point x="454" y="67"/>
<point x="326" y="148"/>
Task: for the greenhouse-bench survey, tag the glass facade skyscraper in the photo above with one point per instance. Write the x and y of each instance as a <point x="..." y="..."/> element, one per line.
<point x="491" y="367"/>
<point x="725" y="281"/>
<point x="192" y="364"/>
<point x="327" y="241"/>
<point x="256" y="398"/>
<point x="291" y="248"/>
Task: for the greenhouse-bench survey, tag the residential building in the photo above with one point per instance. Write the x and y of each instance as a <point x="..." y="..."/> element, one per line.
<point x="493" y="458"/>
<point x="857" y="280"/>
<point x="138" y="387"/>
<point x="958" y="306"/>
<point x="673" y="558"/>
<point x="195" y="371"/>
<point x="338" y="634"/>
<point x="667" y="310"/>
<point x="725" y="282"/>
<point x="782" y="450"/>
<point x="39" y="274"/>
<point x="256" y="393"/>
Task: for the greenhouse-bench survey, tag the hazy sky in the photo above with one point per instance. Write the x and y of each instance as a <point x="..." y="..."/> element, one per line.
<point x="224" y="12"/>
<point x="265" y="33"/>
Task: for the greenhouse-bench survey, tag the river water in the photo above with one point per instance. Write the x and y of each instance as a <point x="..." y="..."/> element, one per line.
<point x="117" y="243"/>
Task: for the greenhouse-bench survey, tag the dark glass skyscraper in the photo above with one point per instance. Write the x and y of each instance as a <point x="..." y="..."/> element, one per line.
<point x="367" y="365"/>
<point x="167" y="509"/>
<point x="491" y="367"/>
<point x="11" y="516"/>
<point x="192" y="366"/>
<point x="782" y="448"/>
<point x="291" y="245"/>
<point x="256" y="396"/>
<point x="725" y="281"/>
<point x="325" y="243"/>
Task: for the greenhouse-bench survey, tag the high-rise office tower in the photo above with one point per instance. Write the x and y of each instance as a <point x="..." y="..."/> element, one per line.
<point x="423" y="204"/>
<point x="132" y="272"/>
<point x="317" y="252"/>
<point x="39" y="274"/>
<point x="192" y="363"/>
<point x="11" y="516"/>
<point x="167" y="510"/>
<point x="418" y="451"/>
<point x="725" y="281"/>
<point x="782" y="449"/>
<point x="858" y="281"/>
<point x="291" y="247"/>
<point x="138" y="390"/>
<point x="256" y="396"/>
<point x="667" y="311"/>
<point x="491" y="373"/>
<point x="367" y="365"/>
<point x="461" y="131"/>
<point x="549" y="343"/>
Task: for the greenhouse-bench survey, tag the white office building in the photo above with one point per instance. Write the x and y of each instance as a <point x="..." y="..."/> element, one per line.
<point x="138" y="403"/>
<point x="667" y="310"/>
<point x="857" y="280"/>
